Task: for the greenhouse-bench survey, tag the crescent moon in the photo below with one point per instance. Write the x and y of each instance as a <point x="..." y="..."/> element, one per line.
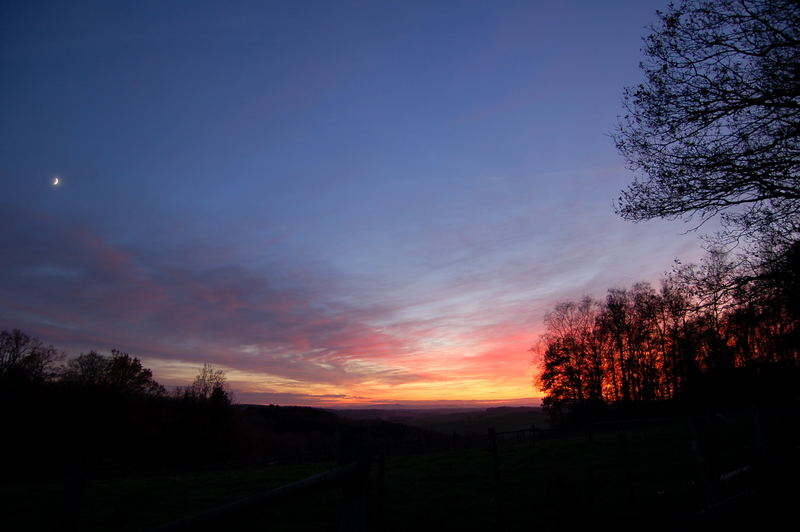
<point x="56" y="181"/>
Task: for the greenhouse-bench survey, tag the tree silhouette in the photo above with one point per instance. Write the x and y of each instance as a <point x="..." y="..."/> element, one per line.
<point x="119" y="373"/>
<point x="573" y="359"/>
<point x="209" y="385"/>
<point x="25" y="358"/>
<point x="715" y="128"/>
<point x="700" y="338"/>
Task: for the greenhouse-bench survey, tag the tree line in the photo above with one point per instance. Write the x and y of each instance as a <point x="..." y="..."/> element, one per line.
<point x="106" y="414"/>
<point x="713" y="131"/>
<point x="704" y="335"/>
<point x="26" y="361"/>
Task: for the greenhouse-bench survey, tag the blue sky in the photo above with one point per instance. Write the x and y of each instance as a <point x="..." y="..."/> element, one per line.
<point x="333" y="201"/>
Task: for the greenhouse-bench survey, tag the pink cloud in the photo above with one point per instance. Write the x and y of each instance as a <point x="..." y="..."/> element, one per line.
<point x="79" y="290"/>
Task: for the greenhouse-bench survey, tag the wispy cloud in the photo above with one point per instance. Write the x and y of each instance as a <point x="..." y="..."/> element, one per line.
<point x="460" y="328"/>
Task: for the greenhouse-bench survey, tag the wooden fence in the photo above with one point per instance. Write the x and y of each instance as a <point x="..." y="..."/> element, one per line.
<point x="361" y="507"/>
<point x="353" y="476"/>
<point x="701" y="432"/>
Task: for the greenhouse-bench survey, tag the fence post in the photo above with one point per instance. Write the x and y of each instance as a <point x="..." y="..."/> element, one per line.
<point x="355" y="491"/>
<point x="498" y="497"/>
<point x="758" y="433"/>
<point x="623" y="443"/>
<point x="73" y="493"/>
<point x="703" y="454"/>
<point x="379" y="520"/>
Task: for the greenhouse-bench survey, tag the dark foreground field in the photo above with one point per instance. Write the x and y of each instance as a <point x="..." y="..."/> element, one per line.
<point x="661" y="475"/>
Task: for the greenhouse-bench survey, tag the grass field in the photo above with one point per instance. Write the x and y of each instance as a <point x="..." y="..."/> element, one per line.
<point x="478" y="421"/>
<point x="619" y="478"/>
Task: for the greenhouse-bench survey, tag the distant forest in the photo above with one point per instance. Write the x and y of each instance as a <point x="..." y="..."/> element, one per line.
<point x="105" y="415"/>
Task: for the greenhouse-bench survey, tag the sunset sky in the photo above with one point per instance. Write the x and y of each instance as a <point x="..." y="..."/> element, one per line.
<point x="337" y="203"/>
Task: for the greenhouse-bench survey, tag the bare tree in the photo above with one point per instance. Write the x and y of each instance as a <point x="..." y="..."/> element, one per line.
<point x="209" y="385"/>
<point x="715" y="128"/>
<point x="573" y="360"/>
<point x="22" y="356"/>
<point x="120" y="372"/>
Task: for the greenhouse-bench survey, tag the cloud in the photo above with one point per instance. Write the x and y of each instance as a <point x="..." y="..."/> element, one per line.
<point x="75" y="287"/>
<point x="459" y="325"/>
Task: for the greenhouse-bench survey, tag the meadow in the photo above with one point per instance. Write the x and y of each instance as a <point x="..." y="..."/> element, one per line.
<point x="619" y="475"/>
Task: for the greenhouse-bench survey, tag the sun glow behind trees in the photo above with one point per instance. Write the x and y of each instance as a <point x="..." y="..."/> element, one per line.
<point x="703" y="337"/>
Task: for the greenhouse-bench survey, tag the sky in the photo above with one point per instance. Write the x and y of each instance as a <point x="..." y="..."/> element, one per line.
<point x="337" y="203"/>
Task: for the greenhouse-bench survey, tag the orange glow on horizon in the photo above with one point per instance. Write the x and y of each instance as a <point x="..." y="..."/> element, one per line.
<point x="493" y="370"/>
